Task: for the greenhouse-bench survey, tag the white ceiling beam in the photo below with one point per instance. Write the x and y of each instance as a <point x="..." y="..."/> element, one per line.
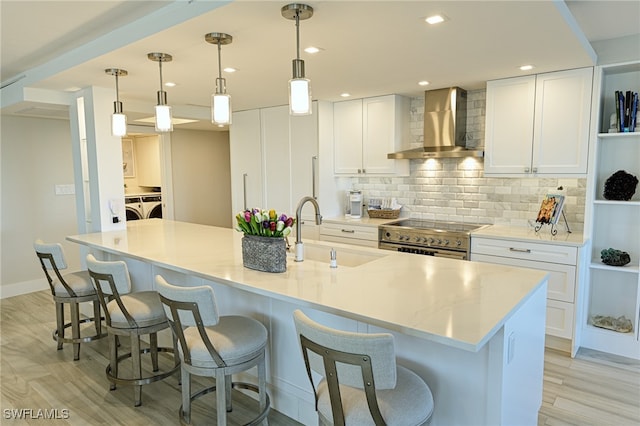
<point x="175" y="13"/>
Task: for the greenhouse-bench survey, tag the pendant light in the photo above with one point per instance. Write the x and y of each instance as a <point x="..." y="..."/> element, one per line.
<point x="118" y="119"/>
<point x="299" y="86"/>
<point x="164" y="122"/>
<point x="220" y="100"/>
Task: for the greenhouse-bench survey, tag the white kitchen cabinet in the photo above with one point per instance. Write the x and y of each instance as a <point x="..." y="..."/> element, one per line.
<point x="365" y="131"/>
<point x="246" y="161"/>
<point x="274" y="159"/>
<point x="539" y="124"/>
<point x="563" y="264"/>
<point x="613" y="291"/>
<point x="148" y="164"/>
<point x="359" y="235"/>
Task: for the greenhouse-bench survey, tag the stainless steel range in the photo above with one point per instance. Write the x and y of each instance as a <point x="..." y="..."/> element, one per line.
<point x="442" y="239"/>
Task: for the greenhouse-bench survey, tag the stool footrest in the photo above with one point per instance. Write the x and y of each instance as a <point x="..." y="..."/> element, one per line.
<point x="81" y="339"/>
<point x="143" y="380"/>
<point x="234" y="385"/>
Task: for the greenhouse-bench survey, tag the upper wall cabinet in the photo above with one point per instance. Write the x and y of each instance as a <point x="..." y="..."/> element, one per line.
<point x="538" y="125"/>
<point x="365" y="131"/>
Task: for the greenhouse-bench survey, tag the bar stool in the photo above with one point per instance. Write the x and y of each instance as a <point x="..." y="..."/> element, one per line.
<point x="214" y="346"/>
<point x="133" y="315"/>
<point x="361" y="384"/>
<point x="72" y="288"/>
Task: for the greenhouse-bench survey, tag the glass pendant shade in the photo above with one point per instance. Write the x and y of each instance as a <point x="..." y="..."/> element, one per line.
<point x="118" y="118"/>
<point x="164" y="118"/>
<point x="164" y="122"/>
<point x="220" y="109"/>
<point x="299" y="85"/>
<point x="299" y="96"/>
<point x="118" y="124"/>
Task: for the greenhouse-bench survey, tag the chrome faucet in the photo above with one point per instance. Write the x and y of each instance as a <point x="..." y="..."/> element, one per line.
<point x="299" y="245"/>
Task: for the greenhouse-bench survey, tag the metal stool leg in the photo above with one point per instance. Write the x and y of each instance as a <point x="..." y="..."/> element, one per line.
<point x="221" y="397"/>
<point x="185" y="378"/>
<point x="97" y="317"/>
<point x="75" y="329"/>
<point x="60" y="323"/>
<point x="137" y="368"/>
<point x="153" y="342"/>
<point x="113" y="357"/>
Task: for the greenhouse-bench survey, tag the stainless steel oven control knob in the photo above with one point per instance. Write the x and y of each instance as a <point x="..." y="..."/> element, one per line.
<point x="418" y="239"/>
<point x="458" y="243"/>
<point x="431" y="240"/>
<point x="439" y="242"/>
<point x="446" y="242"/>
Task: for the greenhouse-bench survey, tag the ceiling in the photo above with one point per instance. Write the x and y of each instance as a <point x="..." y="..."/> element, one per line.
<point x="368" y="48"/>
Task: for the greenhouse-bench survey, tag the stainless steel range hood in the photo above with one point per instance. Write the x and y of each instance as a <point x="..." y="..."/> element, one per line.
<point x="445" y="123"/>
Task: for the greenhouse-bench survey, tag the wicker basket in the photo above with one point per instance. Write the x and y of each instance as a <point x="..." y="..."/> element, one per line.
<point x="384" y="214"/>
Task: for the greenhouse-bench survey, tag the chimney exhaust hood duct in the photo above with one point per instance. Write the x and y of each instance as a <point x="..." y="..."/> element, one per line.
<point x="445" y="123"/>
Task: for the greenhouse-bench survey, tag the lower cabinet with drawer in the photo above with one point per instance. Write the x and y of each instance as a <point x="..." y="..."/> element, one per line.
<point x="360" y="235"/>
<point x="563" y="262"/>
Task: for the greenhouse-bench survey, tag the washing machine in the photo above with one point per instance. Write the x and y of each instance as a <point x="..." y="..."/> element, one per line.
<point x="133" y="207"/>
<point x="152" y="206"/>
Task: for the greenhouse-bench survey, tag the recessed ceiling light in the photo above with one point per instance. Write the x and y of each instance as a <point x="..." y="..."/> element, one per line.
<point x="526" y="67"/>
<point x="312" y="49"/>
<point x="435" y="19"/>
<point x="170" y="84"/>
<point x="229" y="69"/>
<point x="345" y="94"/>
<point x="423" y="83"/>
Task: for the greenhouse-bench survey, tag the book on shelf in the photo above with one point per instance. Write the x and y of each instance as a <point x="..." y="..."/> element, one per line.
<point x="550" y="209"/>
<point x="626" y="103"/>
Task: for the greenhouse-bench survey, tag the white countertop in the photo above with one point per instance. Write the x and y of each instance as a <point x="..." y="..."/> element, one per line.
<point x="517" y="233"/>
<point x="457" y="303"/>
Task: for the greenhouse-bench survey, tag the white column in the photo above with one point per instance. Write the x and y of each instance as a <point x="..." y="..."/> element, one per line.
<point x="97" y="157"/>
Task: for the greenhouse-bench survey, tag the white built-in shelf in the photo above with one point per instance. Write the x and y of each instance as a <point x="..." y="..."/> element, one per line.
<point x="611" y="334"/>
<point x="629" y="268"/>
<point x="617" y="202"/>
<point x="618" y="135"/>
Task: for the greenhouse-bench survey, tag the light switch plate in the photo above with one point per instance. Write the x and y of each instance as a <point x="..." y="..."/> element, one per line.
<point x="65" y="189"/>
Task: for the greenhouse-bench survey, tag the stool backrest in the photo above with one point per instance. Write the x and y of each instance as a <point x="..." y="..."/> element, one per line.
<point x="51" y="256"/>
<point x="352" y="359"/>
<point x="99" y="270"/>
<point x="190" y="307"/>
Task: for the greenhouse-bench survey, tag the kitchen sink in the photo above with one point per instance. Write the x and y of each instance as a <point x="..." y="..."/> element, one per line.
<point x="345" y="256"/>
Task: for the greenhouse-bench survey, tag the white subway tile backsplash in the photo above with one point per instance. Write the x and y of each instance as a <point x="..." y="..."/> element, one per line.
<point x="455" y="189"/>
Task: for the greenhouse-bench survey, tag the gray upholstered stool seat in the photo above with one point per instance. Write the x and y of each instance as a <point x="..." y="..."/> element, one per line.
<point x="71" y="288"/>
<point x="393" y="395"/>
<point x="133" y="315"/>
<point x="214" y="346"/>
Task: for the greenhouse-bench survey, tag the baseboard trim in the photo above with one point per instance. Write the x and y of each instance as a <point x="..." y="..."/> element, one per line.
<point x="24" y="287"/>
<point x="558" y="343"/>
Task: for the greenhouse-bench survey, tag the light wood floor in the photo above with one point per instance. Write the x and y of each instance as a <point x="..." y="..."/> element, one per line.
<point x="592" y="389"/>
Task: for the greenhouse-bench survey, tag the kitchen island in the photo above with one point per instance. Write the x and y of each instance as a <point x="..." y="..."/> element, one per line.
<point x="473" y="331"/>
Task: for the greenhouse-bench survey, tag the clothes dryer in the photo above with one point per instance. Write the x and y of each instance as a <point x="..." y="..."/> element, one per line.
<point x="152" y="206"/>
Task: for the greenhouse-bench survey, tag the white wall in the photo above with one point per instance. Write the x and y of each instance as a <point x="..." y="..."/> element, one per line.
<point x="35" y="155"/>
<point x="201" y="177"/>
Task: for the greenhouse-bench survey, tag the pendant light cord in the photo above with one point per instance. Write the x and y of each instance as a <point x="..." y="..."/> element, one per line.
<point x="117" y="89"/>
<point x="160" y="65"/>
<point x="219" y="61"/>
<point x="297" y="34"/>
